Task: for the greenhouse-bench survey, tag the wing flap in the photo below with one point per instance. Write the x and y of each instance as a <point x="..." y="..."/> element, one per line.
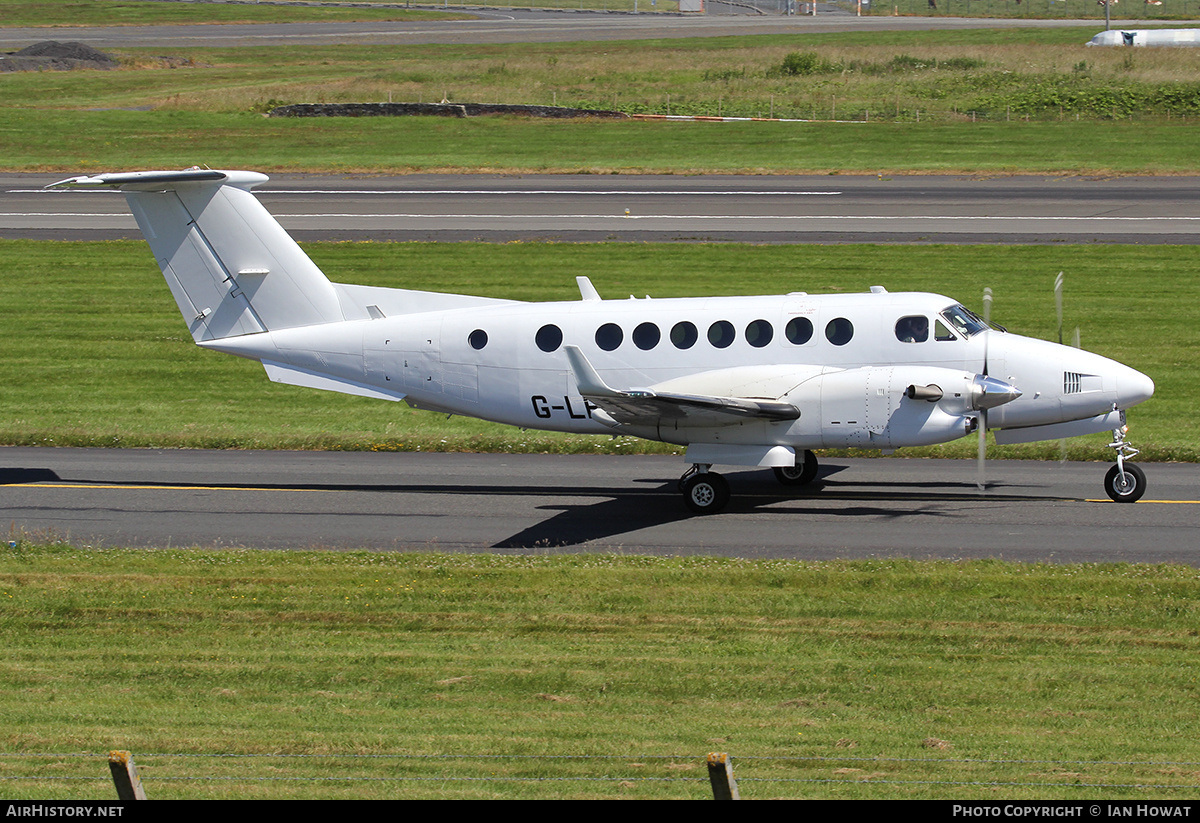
<point x="641" y="407"/>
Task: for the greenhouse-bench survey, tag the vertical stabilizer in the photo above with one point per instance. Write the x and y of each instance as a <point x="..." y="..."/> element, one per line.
<point x="232" y="268"/>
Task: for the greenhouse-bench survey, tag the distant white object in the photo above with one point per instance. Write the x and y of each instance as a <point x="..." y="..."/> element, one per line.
<point x="1147" y="37"/>
<point x="691" y="5"/>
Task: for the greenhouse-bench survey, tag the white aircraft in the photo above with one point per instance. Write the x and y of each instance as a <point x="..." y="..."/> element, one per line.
<point x="745" y="381"/>
<point x="1147" y="37"/>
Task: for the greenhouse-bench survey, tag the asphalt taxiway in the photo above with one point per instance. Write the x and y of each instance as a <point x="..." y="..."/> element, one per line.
<point x="757" y="209"/>
<point x="501" y="25"/>
<point x="1032" y="511"/>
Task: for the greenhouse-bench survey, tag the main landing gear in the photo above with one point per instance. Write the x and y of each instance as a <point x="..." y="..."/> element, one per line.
<point x="801" y="474"/>
<point x="1125" y="482"/>
<point x="706" y="492"/>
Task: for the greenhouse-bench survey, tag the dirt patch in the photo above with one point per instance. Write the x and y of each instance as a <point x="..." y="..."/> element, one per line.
<point x="50" y="55"/>
<point x="433" y="109"/>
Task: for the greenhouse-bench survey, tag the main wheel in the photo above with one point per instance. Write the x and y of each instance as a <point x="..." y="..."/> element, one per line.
<point x="801" y="474"/>
<point x="1127" y="487"/>
<point x="705" y="493"/>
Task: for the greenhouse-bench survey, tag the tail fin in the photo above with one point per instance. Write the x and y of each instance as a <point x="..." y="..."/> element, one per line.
<point x="232" y="268"/>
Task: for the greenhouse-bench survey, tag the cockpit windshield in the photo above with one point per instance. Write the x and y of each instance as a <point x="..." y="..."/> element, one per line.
<point x="965" y="321"/>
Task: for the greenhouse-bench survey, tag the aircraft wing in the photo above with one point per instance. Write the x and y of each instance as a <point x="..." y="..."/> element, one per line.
<point x="644" y="407"/>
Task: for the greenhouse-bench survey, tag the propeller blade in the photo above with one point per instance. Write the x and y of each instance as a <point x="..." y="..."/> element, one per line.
<point x="1058" y="303"/>
<point x="980" y="471"/>
<point x="980" y="477"/>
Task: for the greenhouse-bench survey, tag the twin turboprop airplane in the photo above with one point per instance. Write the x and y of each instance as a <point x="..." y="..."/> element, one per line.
<point x="745" y="381"/>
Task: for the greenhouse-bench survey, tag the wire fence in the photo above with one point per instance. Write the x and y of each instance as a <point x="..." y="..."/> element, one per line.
<point x="180" y="774"/>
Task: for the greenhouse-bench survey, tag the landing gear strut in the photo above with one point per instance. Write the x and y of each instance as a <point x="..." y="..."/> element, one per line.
<point x="704" y="492"/>
<point x="801" y="474"/>
<point x="1125" y="482"/>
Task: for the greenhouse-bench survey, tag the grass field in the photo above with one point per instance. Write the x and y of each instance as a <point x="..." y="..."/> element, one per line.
<point x="859" y="679"/>
<point x="82" y="142"/>
<point x="919" y="102"/>
<point x="100" y="356"/>
<point x="22" y="13"/>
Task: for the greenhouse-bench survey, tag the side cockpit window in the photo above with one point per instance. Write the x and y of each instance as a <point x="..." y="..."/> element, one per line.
<point x="963" y="320"/>
<point x="914" y="329"/>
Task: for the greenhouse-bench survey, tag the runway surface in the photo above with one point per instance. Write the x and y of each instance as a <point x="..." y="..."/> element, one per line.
<point x="808" y="209"/>
<point x="1033" y="511"/>
<point x="498" y="26"/>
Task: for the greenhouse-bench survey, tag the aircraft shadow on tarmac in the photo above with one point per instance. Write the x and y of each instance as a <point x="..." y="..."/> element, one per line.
<point x="15" y="477"/>
<point x="611" y="512"/>
<point x="755" y="492"/>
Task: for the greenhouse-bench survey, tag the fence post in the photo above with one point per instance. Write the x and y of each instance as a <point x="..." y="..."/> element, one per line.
<point x="125" y="776"/>
<point x="720" y="775"/>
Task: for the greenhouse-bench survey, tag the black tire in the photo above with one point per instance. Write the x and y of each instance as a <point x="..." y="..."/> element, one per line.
<point x="803" y="473"/>
<point x="705" y="493"/>
<point x="1128" y="489"/>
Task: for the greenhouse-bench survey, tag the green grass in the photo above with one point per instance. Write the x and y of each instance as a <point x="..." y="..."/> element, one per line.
<point x="936" y="102"/>
<point x="81" y="142"/>
<point x="96" y="353"/>
<point x="819" y="667"/>
<point x="1124" y="15"/>
<point x="1041" y="75"/>
<point x="23" y="13"/>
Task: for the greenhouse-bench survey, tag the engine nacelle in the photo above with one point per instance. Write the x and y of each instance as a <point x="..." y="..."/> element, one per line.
<point x="894" y="406"/>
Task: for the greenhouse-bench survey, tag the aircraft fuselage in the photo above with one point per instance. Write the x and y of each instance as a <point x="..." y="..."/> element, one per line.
<point x="844" y="361"/>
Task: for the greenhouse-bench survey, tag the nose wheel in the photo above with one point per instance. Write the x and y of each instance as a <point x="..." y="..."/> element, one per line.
<point x="1125" y="482"/>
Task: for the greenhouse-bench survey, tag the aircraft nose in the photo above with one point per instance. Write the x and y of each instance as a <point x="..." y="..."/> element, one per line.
<point x="1133" y="387"/>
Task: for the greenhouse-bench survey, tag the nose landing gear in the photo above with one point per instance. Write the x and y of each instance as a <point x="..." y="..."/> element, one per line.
<point x="1125" y="482"/>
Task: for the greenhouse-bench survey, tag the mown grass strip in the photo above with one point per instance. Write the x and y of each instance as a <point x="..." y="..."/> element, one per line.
<point x="96" y="353"/>
<point x="35" y="13"/>
<point x="100" y="141"/>
<point x="888" y="678"/>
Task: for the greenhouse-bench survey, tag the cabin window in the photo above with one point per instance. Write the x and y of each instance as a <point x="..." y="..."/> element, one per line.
<point x="609" y="336"/>
<point x="799" y="330"/>
<point x="646" y="336"/>
<point x="477" y="339"/>
<point x="838" y="331"/>
<point x="684" y="335"/>
<point x="941" y="332"/>
<point x="914" y="329"/>
<point x="549" y="338"/>
<point x="721" y="334"/>
<point x="759" y="333"/>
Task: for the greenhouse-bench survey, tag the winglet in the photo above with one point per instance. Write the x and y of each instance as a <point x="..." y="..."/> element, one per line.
<point x="586" y="378"/>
